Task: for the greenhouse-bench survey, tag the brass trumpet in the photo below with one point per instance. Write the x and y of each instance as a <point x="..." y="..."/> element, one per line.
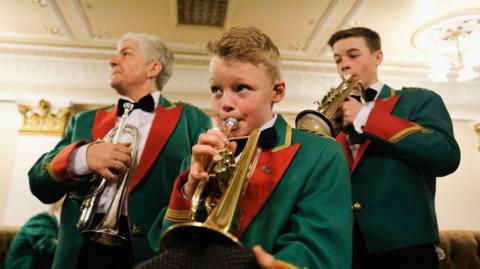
<point x="326" y="119"/>
<point x="226" y="179"/>
<point x="106" y="232"/>
<point x="219" y="172"/>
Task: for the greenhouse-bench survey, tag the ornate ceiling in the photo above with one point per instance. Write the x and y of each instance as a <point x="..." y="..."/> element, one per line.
<point x="43" y="39"/>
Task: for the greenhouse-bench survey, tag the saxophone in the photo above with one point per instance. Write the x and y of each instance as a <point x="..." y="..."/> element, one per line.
<point x="326" y="119"/>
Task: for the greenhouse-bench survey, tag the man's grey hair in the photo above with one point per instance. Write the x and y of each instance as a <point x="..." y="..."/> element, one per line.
<point x="153" y="49"/>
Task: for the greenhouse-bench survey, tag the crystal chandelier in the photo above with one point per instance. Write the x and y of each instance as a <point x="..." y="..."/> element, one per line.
<point x="454" y="42"/>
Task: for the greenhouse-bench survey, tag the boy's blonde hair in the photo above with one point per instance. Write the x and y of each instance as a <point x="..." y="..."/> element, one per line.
<point x="248" y="44"/>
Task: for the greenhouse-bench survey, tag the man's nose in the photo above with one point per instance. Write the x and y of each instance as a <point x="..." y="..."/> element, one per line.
<point x="344" y="68"/>
<point x="114" y="61"/>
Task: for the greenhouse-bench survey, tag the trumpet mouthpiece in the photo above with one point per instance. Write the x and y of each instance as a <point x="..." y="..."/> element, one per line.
<point x="231" y="123"/>
<point x="346" y="76"/>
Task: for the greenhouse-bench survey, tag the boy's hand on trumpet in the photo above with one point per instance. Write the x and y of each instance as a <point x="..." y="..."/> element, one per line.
<point x="264" y="259"/>
<point x="350" y="109"/>
<point x="209" y="144"/>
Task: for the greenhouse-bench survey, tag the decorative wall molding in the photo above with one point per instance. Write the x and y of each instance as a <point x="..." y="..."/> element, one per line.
<point x="43" y="120"/>
<point x="82" y="76"/>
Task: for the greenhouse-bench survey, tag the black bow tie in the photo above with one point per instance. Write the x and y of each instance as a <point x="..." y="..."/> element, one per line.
<point x="357" y="138"/>
<point x="146" y="104"/>
<point x="354" y="137"/>
<point x="370" y="94"/>
<point x="265" y="141"/>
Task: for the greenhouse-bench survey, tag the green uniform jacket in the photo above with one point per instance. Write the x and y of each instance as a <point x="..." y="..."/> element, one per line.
<point x="175" y="129"/>
<point x="410" y="143"/>
<point x="297" y="202"/>
<point x="34" y="244"/>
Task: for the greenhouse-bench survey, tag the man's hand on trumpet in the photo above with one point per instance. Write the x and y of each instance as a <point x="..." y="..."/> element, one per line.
<point x="108" y="160"/>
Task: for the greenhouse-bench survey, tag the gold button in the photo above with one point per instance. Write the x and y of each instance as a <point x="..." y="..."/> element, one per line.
<point x="135" y="229"/>
<point x="357" y="206"/>
<point x="266" y="169"/>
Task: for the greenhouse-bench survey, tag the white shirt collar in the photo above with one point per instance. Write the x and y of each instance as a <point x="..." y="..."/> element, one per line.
<point x="269" y="123"/>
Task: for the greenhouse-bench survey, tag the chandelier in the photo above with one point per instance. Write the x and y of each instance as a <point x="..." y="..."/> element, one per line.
<point x="454" y="44"/>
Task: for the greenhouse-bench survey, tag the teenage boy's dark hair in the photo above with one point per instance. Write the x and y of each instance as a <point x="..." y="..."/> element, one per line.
<point x="371" y="37"/>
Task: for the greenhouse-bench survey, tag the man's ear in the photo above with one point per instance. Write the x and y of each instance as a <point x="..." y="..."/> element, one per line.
<point x="278" y="91"/>
<point x="154" y="68"/>
<point x="378" y="57"/>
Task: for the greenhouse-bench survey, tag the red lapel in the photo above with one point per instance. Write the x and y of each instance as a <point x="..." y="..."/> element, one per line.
<point x="342" y="139"/>
<point x="360" y="151"/>
<point x="386" y="105"/>
<point x="103" y="123"/>
<point x="269" y="170"/>
<point x="163" y="124"/>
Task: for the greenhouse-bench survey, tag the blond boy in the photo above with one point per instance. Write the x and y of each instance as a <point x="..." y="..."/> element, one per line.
<point x="295" y="211"/>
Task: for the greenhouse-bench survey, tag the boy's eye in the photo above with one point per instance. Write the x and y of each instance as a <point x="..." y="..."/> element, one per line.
<point x="241" y="87"/>
<point x="337" y="59"/>
<point x="215" y="89"/>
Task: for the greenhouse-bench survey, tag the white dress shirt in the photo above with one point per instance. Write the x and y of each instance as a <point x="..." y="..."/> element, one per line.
<point x="362" y="117"/>
<point x="142" y="120"/>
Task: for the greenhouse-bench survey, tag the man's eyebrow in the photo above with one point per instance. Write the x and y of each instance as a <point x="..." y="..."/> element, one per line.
<point x="348" y="51"/>
<point x="125" y="48"/>
<point x="353" y="50"/>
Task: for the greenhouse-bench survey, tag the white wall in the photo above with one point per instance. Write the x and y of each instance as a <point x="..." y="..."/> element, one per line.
<point x="458" y="194"/>
<point x="21" y="204"/>
<point x="8" y="128"/>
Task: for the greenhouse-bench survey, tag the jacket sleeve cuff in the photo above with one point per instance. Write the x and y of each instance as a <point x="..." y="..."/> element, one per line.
<point x="394" y="131"/>
<point x="58" y="166"/>
<point x="279" y="264"/>
<point x="179" y="207"/>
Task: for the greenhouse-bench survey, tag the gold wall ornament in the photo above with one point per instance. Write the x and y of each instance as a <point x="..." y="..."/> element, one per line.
<point x="477" y="129"/>
<point x="43" y="121"/>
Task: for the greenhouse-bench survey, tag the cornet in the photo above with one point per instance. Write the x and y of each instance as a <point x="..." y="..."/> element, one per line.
<point x="326" y="119"/>
<point x="220" y="194"/>
<point x="107" y="232"/>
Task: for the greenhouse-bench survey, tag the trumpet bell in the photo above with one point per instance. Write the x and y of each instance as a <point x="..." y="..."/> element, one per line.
<point x="314" y="121"/>
<point x="105" y="236"/>
<point x="327" y="119"/>
<point x="198" y="232"/>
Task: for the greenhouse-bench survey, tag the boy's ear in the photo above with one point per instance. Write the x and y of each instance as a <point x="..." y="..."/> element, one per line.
<point x="378" y="57"/>
<point x="278" y="91"/>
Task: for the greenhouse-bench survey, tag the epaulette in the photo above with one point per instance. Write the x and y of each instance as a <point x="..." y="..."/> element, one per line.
<point x="108" y="108"/>
<point x="182" y="103"/>
<point x="320" y="133"/>
<point x="413" y="89"/>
